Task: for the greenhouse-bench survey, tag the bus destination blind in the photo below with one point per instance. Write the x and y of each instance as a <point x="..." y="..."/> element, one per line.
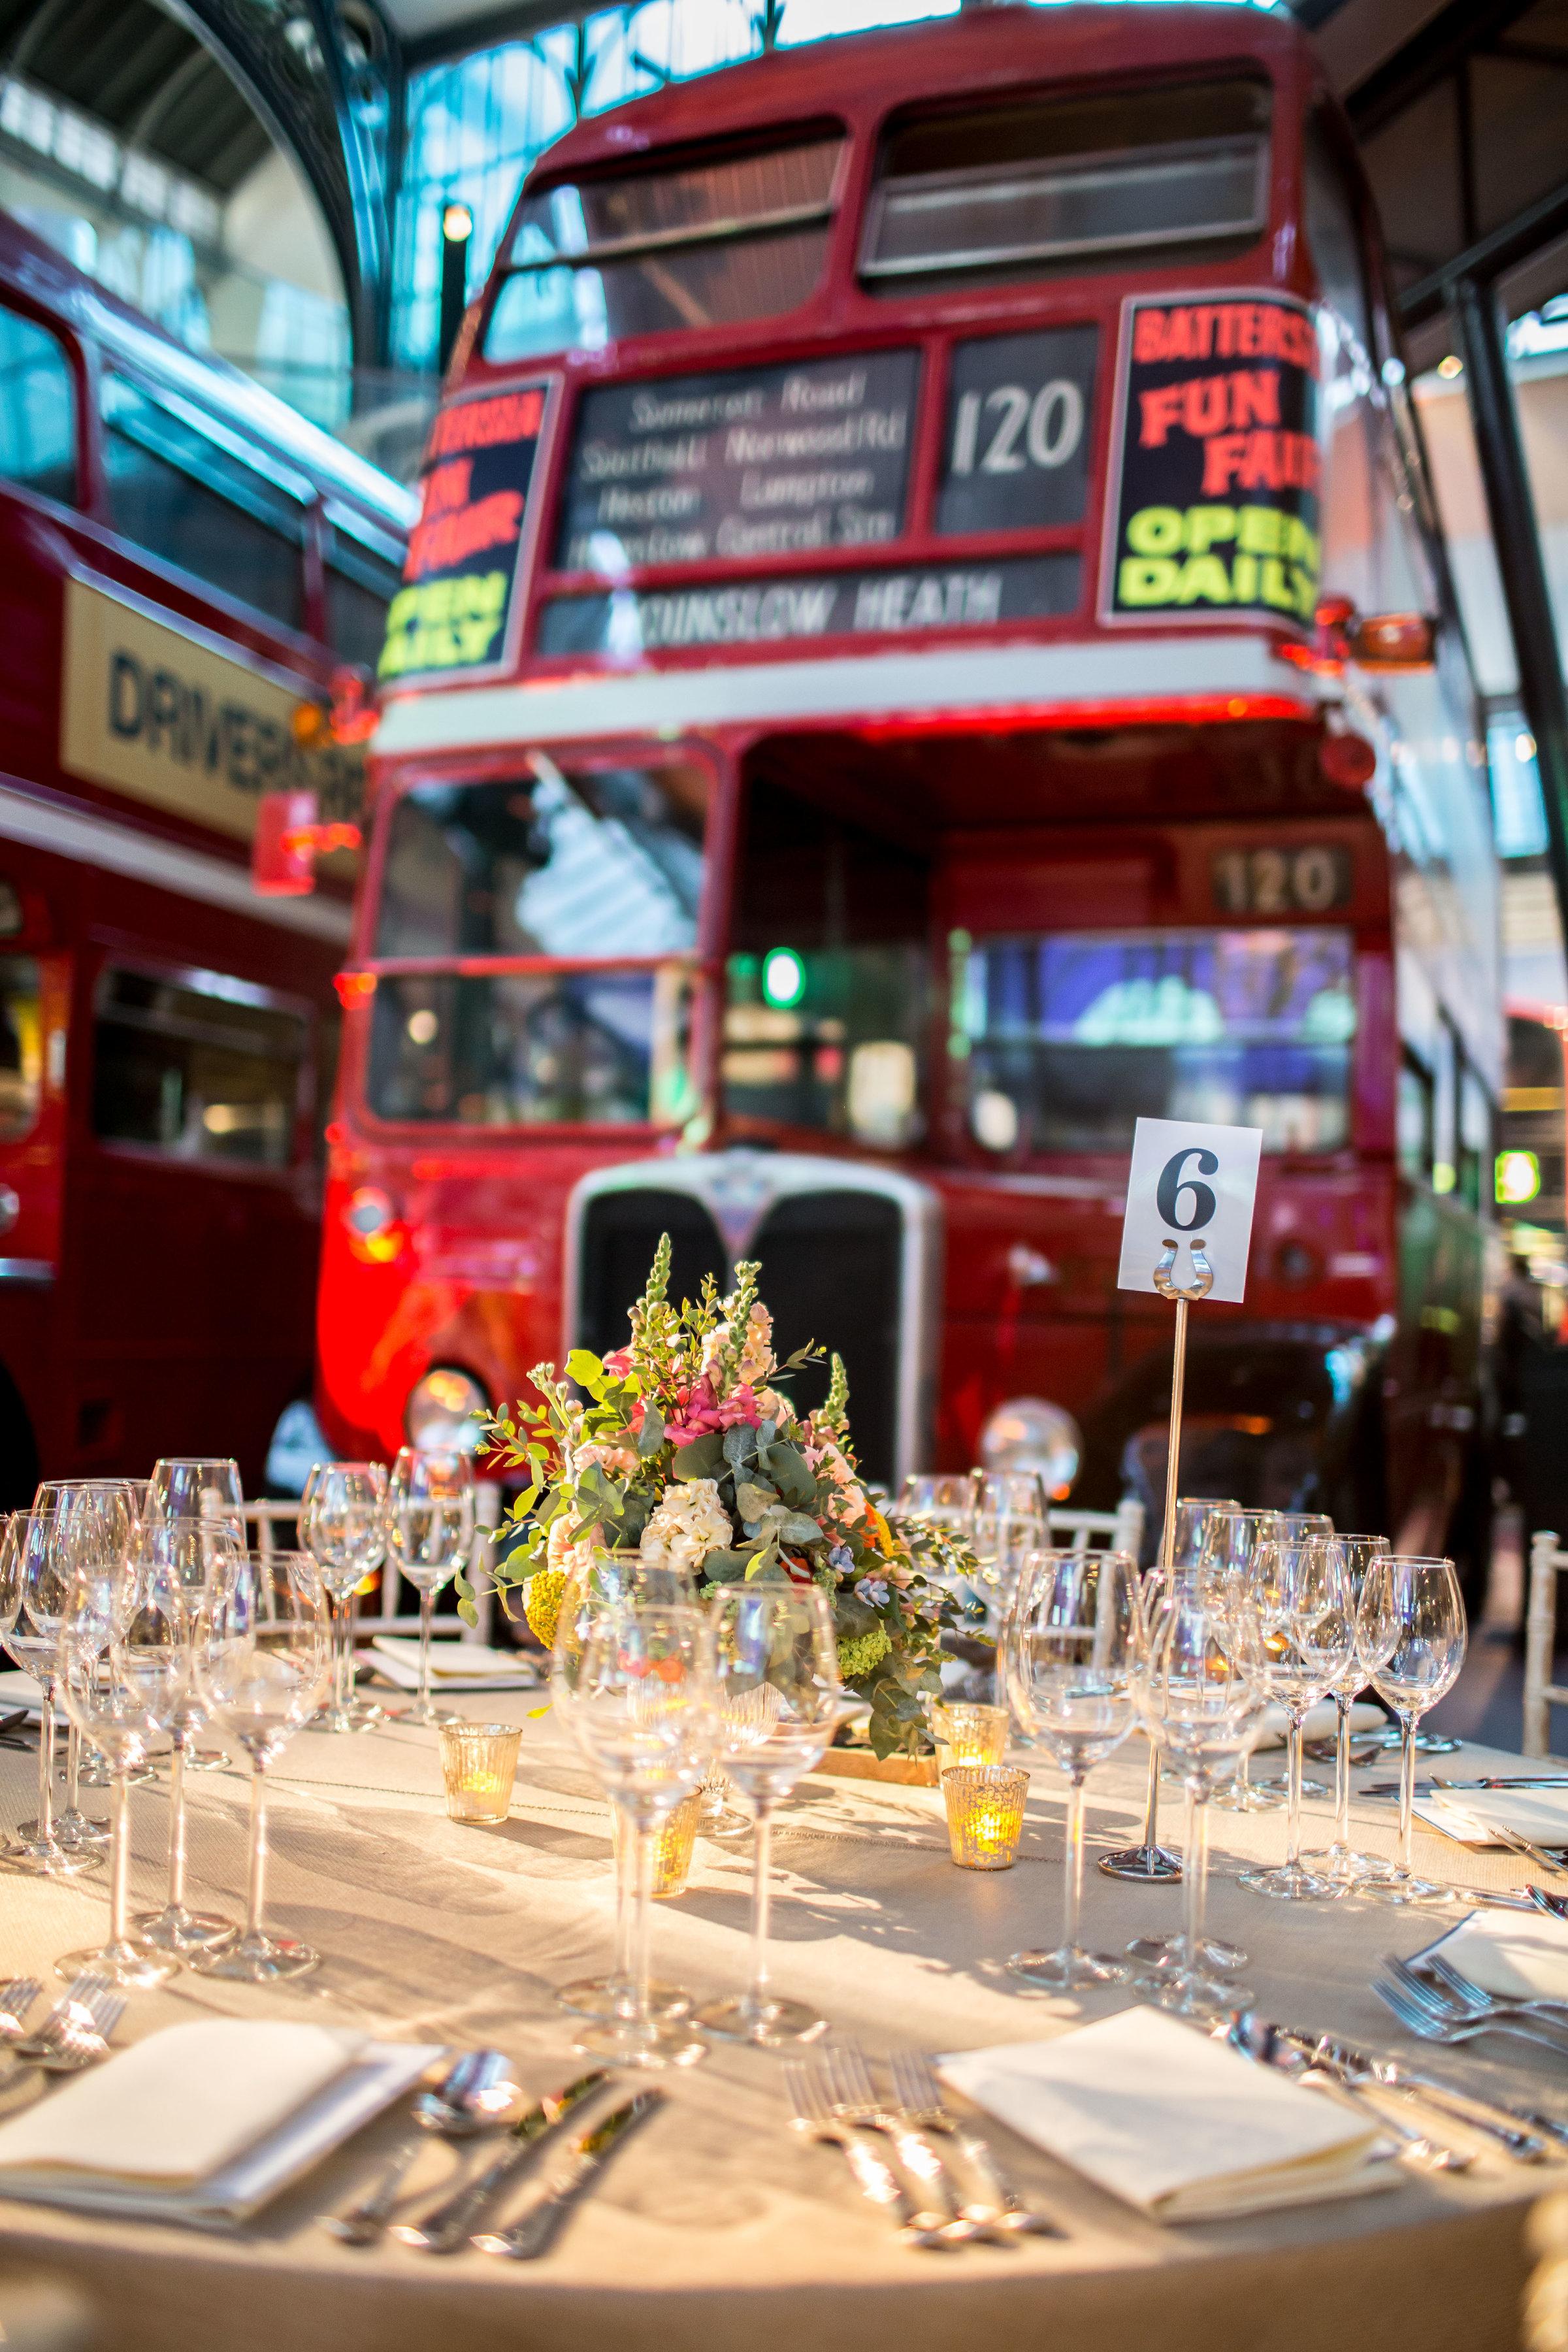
<point x="1214" y="505"/>
<point x="460" y="578"/>
<point x="746" y="464"/>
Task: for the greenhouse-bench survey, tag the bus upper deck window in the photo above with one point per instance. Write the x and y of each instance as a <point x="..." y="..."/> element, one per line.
<point x="704" y="244"/>
<point x="181" y="490"/>
<point x="1061" y="184"/>
<point x="21" y="1045"/>
<point x="37" y="410"/>
<point x="361" y="583"/>
<point x="602" y="865"/>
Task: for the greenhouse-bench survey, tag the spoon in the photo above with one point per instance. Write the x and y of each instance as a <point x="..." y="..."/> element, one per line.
<point x="1554" y="1905"/>
<point x="475" y="2092"/>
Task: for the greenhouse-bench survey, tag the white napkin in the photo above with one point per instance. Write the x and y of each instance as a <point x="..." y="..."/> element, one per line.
<point x="19" y="1689"/>
<point x="1519" y="1954"/>
<point x="1167" y="2119"/>
<point x="456" y="1665"/>
<point x="203" y="2123"/>
<point x="1469" y="1815"/>
<point x="1321" y="1721"/>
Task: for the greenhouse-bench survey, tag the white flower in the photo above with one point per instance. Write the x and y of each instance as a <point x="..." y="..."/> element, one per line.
<point x="574" y="1557"/>
<point x="688" y="1524"/>
<point x="757" y="1348"/>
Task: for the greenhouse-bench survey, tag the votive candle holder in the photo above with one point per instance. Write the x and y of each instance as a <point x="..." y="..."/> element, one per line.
<point x="968" y="1734"/>
<point x="984" y="1813"/>
<point x="478" y="1765"/>
<point x="672" y="1842"/>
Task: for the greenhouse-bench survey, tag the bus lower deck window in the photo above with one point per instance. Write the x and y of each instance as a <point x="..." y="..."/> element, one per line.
<point x="1066" y="1040"/>
<point x="21" y="1045"/>
<point x="195" y="1073"/>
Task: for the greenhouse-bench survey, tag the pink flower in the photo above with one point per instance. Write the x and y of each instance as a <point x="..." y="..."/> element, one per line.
<point x="697" y="1412"/>
<point x="618" y="1362"/>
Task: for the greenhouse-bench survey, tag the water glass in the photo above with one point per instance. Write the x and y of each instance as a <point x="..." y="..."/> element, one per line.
<point x="1339" y="1863"/>
<point x="343" y="1526"/>
<point x="1411" y="1633"/>
<point x="429" y="1536"/>
<point x="1307" y="1616"/>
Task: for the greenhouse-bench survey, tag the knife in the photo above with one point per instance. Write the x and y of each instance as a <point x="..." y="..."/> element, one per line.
<point x="446" y="2227"/>
<point x="1433" y="1786"/>
<point x="1520" y="2133"/>
<point x="535" y="2233"/>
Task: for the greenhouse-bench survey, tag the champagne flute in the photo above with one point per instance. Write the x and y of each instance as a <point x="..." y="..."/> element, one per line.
<point x="429" y="1536"/>
<point x="1231" y="1545"/>
<point x="190" y="1551"/>
<point x="643" y="1707"/>
<point x="1337" y="1862"/>
<point x="33" y="1642"/>
<point x="1307" y="1616"/>
<point x="1074" y="1638"/>
<point x="122" y="1666"/>
<point x="343" y="1526"/>
<point x="262" y="1656"/>
<point x="1410" y="1630"/>
<point x="780" y="1702"/>
<point x="604" y="1580"/>
<point x="1200" y="1691"/>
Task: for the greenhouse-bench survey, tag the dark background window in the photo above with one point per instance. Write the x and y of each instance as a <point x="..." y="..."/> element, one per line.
<point x="194" y="1072"/>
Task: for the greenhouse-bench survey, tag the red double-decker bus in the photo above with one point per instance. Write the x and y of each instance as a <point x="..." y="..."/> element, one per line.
<point x="187" y="564"/>
<point x="926" y="640"/>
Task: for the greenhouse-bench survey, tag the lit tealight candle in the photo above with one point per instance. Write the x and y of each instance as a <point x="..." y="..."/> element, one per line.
<point x="478" y="1765"/>
<point x="984" y="1813"/>
<point x="672" y="1842"/>
<point x="968" y="1734"/>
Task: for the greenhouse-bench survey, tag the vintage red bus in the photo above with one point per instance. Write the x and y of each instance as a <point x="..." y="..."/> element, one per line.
<point x="926" y="640"/>
<point x="187" y="563"/>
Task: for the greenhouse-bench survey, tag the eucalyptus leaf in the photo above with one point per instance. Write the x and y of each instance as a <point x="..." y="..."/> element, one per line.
<point x="727" y="1567"/>
<point x="703" y="1458"/>
<point x="751" y="1500"/>
<point x="798" y="1530"/>
<point x="740" y="1444"/>
<point x="650" y="1436"/>
<point x="787" y="1466"/>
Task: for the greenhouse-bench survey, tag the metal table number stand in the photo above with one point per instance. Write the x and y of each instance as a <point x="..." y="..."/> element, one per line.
<point x="1148" y="1859"/>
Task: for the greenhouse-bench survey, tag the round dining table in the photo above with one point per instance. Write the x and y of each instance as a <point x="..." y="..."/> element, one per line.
<point x="716" y="2226"/>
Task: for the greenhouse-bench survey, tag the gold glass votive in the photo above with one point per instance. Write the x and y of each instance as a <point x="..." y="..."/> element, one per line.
<point x="478" y="1765"/>
<point x="968" y="1734"/>
<point x="672" y="1844"/>
<point x="984" y="1813"/>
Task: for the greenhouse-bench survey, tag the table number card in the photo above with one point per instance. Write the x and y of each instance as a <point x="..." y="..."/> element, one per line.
<point x="1190" y="1183"/>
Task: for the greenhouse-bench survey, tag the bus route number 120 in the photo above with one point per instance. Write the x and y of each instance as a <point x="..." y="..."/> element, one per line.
<point x="1313" y="880"/>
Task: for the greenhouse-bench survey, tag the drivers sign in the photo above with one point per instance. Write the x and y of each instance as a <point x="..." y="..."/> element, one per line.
<point x="1190" y="1183"/>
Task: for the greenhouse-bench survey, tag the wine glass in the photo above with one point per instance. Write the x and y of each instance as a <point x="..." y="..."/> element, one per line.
<point x="33" y="1642"/>
<point x="262" y="1655"/>
<point x="608" y="1578"/>
<point x="1410" y="1631"/>
<point x="343" y="1526"/>
<point x="190" y="1550"/>
<point x="1009" y="1521"/>
<point x="780" y="1702"/>
<point x="72" y="1826"/>
<point x="429" y="1536"/>
<point x="944" y="1499"/>
<point x="643" y="1706"/>
<point x="1337" y="1862"/>
<point x="1200" y="1691"/>
<point x="1307" y="1616"/>
<point x="123" y="1668"/>
<point x="1073" y="1642"/>
<point x="1230" y="1548"/>
<point x="1297" y="1525"/>
<point x="194" y="1486"/>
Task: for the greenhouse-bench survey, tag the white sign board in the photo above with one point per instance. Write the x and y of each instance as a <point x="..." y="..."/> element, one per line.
<point x="1189" y="1183"/>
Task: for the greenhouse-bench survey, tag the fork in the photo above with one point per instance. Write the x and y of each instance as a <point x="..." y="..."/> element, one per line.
<point x="1476" y="1999"/>
<point x="855" y="2097"/>
<point x="1430" y="2022"/>
<point x="1464" y="2001"/>
<point x="17" y="1997"/>
<point x="814" y="2115"/>
<point x="918" y="2096"/>
<point x="74" y="2034"/>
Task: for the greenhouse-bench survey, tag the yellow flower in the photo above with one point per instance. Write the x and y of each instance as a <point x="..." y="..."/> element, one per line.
<point x="541" y="1602"/>
<point x="862" y="1651"/>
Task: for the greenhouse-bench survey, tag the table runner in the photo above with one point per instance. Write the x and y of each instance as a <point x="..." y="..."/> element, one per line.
<point x="715" y="2223"/>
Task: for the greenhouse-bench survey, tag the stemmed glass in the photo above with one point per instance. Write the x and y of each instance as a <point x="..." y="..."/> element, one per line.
<point x="1307" y="1616"/>
<point x="33" y="1642"/>
<point x="122" y="1664"/>
<point x="1410" y="1631"/>
<point x="343" y="1524"/>
<point x="1230" y="1548"/>
<point x="1009" y="1521"/>
<point x="198" y="1487"/>
<point x="429" y="1535"/>
<point x="1200" y="1692"/>
<point x="1298" y="1526"/>
<point x="643" y="1707"/>
<point x="262" y="1654"/>
<point x="1338" y="1862"/>
<point x="780" y="1702"/>
<point x="190" y="1551"/>
<point x="1073" y="1641"/>
<point x="74" y="1828"/>
<point x="610" y="1578"/>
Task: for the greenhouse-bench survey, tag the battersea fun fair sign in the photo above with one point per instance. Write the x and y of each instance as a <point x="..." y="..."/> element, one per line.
<point x="1213" y="507"/>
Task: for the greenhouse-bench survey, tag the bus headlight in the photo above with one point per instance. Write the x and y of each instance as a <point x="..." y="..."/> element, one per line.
<point x="376" y="1232"/>
<point x="445" y="1411"/>
<point x="1031" y="1433"/>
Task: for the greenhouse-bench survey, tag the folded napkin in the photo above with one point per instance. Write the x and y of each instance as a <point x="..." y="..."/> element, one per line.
<point x="456" y="1665"/>
<point x="1519" y="1954"/>
<point x="1321" y="1721"/>
<point x="1473" y="1815"/>
<point x="203" y="2122"/>
<point x="19" y="1689"/>
<point x="1167" y="2119"/>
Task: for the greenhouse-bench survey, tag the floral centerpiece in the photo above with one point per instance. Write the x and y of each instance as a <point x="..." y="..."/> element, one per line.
<point x="683" y="1445"/>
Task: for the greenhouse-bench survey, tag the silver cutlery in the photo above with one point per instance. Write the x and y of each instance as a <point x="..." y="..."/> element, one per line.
<point x="918" y="2096"/>
<point x="535" y="2233"/>
<point x="855" y="2097"/>
<point x="1430" y="2018"/>
<point x="1270" y="2045"/>
<point x="1554" y="1905"/>
<point x="1518" y="2134"/>
<point x="73" y="2035"/>
<point x="17" y="1997"/>
<point x="1435" y="1785"/>
<point x="472" y="2096"/>
<point x="1477" y="1999"/>
<point x="813" y="2113"/>
<point x="448" y="2225"/>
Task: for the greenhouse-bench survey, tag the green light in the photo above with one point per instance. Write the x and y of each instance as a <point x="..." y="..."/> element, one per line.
<point x="1517" y="1177"/>
<point x="784" y="977"/>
